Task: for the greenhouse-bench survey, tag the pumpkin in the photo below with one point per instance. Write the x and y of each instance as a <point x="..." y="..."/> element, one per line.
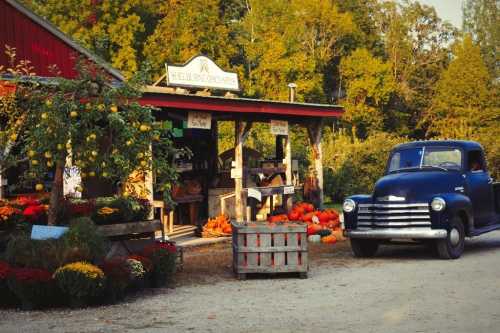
<point x="339" y="234"/>
<point x="227" y="229"/>
<point x="313" y="229"/>
<point x="308" y="207"/>
<point x="294" y="216"/>
<point x="307" y="217"/>
<point x="329" y="239"/>
<point x="324" y="217"/>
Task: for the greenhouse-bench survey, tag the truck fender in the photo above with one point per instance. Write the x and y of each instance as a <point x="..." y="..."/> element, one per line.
<point x="459" y="205"/>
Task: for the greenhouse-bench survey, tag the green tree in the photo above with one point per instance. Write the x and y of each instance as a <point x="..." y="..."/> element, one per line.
<point x="466" y="104"/>
<point x="416" y="44"/>
<point x="369" y="85"/>
<point x="480" y="18"/>
<point x="463" y="98"/>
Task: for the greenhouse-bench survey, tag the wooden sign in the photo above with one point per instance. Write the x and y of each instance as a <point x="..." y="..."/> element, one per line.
<point x="201" y="120"/>
<point x="42" y="232"/>
<point x="279" y="127"/>
<point x="201" y="72"/>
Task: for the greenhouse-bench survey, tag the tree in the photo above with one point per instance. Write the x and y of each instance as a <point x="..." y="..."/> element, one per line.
<point x="463" y="98"/>
<point x="286" y="42"/>
<point x="114" y="30"/>
<point x="369" y="86"/>
<point x="480" y="18"/>
<point x="416" y="44"/>
<point x="89" y="123"/>
<point x="188" y="28"/>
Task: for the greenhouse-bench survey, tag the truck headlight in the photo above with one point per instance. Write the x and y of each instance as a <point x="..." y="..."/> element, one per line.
<point x="438" y="204"/>
<point x="349" y="205"/>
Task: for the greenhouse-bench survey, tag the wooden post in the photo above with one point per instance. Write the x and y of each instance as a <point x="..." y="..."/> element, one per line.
<point x="241" y="131"/>
<point x="148" y="180"/>
<point x="315" y="131"/>
<point x="288" y="172"/>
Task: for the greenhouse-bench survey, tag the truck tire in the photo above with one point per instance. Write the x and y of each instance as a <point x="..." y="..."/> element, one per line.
<point x="364" y="248"/>
<point x="453" y="245"/>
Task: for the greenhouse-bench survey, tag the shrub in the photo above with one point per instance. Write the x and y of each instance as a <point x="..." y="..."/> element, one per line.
<point x="353" y="166"/>
<point x="117" y="278"/>
<point x="82" y="241"/>
<point x="22" y="251"/>
<point x="163" y="256"/>
<point x="80" y="282"/>
<point x="7" y="298"/>
<point x="34" y="287"/>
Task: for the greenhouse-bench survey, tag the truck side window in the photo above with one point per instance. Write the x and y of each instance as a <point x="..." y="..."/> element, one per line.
<point x="476" y="163"/>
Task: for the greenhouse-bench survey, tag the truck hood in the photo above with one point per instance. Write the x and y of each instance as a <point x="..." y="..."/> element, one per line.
<point x="417" y="186"/>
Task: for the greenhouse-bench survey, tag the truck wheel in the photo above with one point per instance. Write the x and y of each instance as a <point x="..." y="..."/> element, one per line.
<point x="364" y="248"/>
<point x="453" y="245"/>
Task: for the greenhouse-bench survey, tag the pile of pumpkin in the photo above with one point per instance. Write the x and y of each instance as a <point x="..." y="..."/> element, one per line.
<point x="219" y="226"/>
<point x="325" y="223"/>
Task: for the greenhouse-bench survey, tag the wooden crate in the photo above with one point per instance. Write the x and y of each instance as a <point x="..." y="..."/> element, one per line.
<point x="261" y="247"/>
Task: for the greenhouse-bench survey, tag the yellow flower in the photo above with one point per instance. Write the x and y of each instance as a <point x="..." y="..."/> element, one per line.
<point x="89" y="270"/>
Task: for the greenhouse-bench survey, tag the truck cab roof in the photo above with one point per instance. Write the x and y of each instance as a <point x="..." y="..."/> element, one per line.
<point x="464" y="145"/>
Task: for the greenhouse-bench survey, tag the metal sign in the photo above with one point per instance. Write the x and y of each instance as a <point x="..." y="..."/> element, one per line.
<point x="201" y="120"/>
<point x="201" y="72"/>
<point x="279" y="127"/>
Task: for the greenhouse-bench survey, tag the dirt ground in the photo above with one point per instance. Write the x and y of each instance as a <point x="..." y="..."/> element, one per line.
<point x="403" y="289"/>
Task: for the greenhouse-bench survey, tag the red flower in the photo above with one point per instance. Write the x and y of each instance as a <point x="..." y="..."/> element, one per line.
<point x="83" y="208"/>
<point x="116" y="269"/>
<point x="30" y="275"/>
<point x="149" y="250"/>
<point x="27" y="201"/>
<point x="4" y="270"/>
<point x="32" y="213"/>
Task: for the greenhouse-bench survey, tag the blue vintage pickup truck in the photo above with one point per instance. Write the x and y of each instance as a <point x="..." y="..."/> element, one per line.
<point x="433" y="191"/>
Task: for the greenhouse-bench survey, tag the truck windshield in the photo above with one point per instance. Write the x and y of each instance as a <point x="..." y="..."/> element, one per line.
<point x="442" y="158"/>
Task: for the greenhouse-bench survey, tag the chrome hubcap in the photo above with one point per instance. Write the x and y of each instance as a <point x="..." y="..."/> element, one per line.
<point x="454" y="237"/>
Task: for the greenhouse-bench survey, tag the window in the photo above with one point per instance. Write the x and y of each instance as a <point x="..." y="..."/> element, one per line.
<point x="476" y="163"/>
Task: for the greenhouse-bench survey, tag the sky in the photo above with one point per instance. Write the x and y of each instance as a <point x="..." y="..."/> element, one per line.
<point x="448" y="10"/>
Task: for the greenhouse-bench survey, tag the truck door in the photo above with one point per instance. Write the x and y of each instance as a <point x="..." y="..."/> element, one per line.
<point x="479" y="188"/>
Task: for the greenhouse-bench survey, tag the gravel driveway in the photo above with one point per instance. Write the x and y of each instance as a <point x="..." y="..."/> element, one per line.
<point x="404" y="289"/>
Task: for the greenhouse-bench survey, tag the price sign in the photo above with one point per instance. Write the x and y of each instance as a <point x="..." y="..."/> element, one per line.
<point x="253" y="193"/>
<point x="279" y="127"/>
<point x="41" y="232"/>
<point x="201" y="120"/>
<point x="288" y="190"/>
<point x="236" y="173"/>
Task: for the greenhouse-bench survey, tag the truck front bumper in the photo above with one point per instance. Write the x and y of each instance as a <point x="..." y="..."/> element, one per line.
<point x="397" y="233"/>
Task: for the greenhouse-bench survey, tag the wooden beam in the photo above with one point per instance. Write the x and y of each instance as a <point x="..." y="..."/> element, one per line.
<point x="241" y="132"/>
<point x="315" y="131"/>
<point x="288" y="165"/>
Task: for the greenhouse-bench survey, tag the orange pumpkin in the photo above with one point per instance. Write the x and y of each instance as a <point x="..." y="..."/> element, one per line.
<point x="329" y="239"/>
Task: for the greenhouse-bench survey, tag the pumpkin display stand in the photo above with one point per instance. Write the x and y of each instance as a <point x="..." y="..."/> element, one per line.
<point x="268" y="248"/>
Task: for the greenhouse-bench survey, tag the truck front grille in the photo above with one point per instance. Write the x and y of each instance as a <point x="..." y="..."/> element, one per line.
<point x="394" y="215"/>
